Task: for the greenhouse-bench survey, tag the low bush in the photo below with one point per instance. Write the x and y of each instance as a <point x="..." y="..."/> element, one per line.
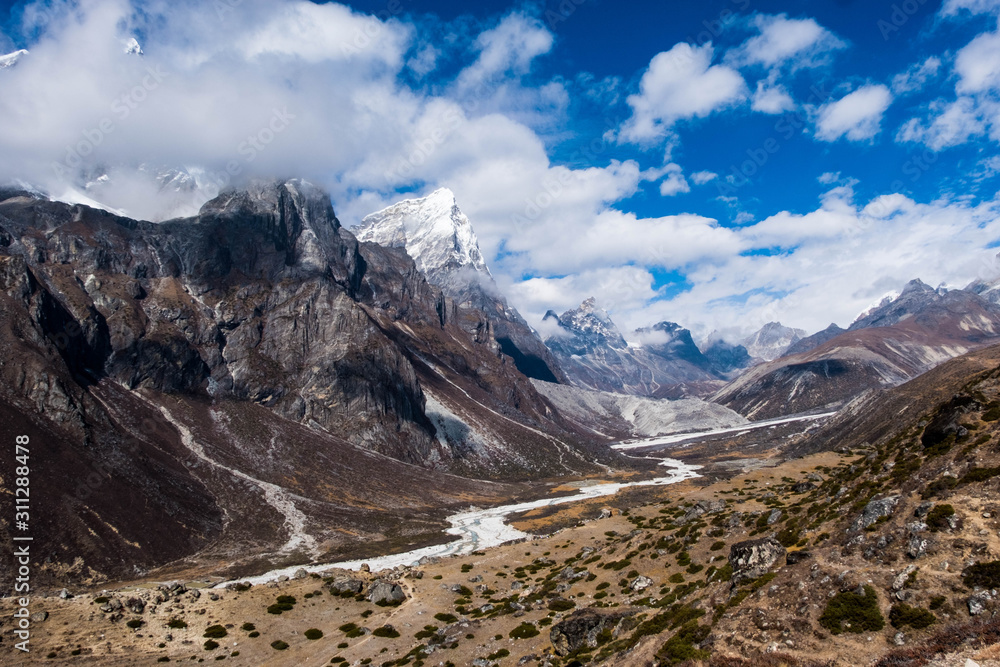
<point x="849" y="612"/>
<point x="279" y="645"/>
<point x="902" y="615"/>
<point x="215" y="632"/>
<point x="313" y="633"/>
<point x="937" y="518"/>
<point x="386" y="631"/>
<point x="984" y="575"/>
<point x="524" y="631"/>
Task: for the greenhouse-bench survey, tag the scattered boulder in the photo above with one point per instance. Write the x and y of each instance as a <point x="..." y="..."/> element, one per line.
<point x="365" y="567"/>
<point x="804" y="487"/>
<point x="39" y="616"/>
<point x="640" y="583"/>
<point x="385" y="592"/>
<point x="874" y="511"/>
<point x="701" y="508"/>
<point x="794" y="557"/>
<point x="917" y="546"/>
<point x="774" y="517"/>
<point x="301" y="573"/>
<point x="900" y="581"/>
<point x="977" y="603"/>
<point x="65" y="594"/>
<point x="606" y="513"/>
<point x="583" y="626"/>
<point x="751" y="559"/>
<point x="347" y="585"/>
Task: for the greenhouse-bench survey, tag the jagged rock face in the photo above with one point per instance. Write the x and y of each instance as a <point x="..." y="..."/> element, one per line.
<point x="751" y="559"/>
<point x="262" y="297"/>
<point x="440" y="239"/>
<point x="873" y="511"/>
<point x="812" y="342"/>
<point x="772" y="340"/>
<point x="726" y="357"/>
<point x="595" y="355"/>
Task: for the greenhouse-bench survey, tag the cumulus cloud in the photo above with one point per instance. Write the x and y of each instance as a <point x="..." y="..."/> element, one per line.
<point x="782" y="41"/>
<point x="673" y="182"/>
<point x="950" y="124"/>
<point x="857" y="116"/>
<point x="978" y="64"/>
<point x="916" y="76"/>
<point x="702" y="177"/>
<point x="680" y="84"/>
<point x="771" y="98"/>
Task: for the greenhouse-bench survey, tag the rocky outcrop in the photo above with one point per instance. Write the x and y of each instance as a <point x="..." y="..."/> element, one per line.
<point x="754" y="558"/>
<point x="873" y="511"/>
<point x="582" y="627"/>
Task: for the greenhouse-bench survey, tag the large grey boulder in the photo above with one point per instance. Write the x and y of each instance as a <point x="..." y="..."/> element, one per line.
<point x="583" y="626"/>
<point x="874" y="511"/>
<point x="754" y="558"/>
<point x="386" y="592"/>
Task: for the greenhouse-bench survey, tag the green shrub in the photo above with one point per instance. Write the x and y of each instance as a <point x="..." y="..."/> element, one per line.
<point x="850" y="612"/>
<point x="248" y="627"/>
<point x="902" y="615"/>
<point x="177" y="624"/>
<point x="211" y="645"/>
<point x="992" y="414"/>
<point x="939" y="487"/>
<point x="937" y="602"/>
<point x="984" y="575"/>
<point x="313" y="633"/>
<point x="215" y="632"/>
<point x="524" y="631"/>
<point x="135" y="623"/>
<point x="937" y="518"/>
<point x="277" y="609"/>
<point x="386" y="631"/>
<point x="561" y="605"/>
<point x="279" y="645"/>
<point x="102" y="599"/>
<point x="285" y="599"/>
<point x="716" y="546"/>
<point x="676" y="578"/>
<point x="446" y="618"/>
<point x="253" y="635"/>
<point x="681" y="647"/>
<point x="978" y="475"/>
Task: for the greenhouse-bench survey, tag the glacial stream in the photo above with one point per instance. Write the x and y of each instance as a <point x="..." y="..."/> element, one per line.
<point x="482" y="528"/>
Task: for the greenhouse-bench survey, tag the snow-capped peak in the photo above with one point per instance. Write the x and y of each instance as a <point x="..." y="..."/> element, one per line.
<point x="12" y="59"/>
<point x="433" y="230"/>
<point x="886" y="299"/>
<point x="131" y="46"/>
<point x="592" y="321"/>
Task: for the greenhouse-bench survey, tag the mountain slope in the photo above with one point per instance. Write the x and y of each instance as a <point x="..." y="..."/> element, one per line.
<point x="441" y="240"/>
<point x="254" y="377"/>
<point x="888" y="345"/>
<point x="771" y="341"/>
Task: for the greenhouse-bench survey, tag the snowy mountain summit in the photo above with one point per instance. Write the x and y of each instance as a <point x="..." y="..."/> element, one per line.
<point x="12" y="59"/>
<point x="441" y="241"/>
<point x="434" y="232"/>
<point x="591" y="324"/>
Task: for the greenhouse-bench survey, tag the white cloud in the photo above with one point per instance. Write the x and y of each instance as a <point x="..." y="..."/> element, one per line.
<point x="829" y="177"/>
<point x="856" y="116"/>
<point x="508" y="49"/>
<point x="950" y="124"/>
<point x="954" y="7"/>
<point x="796" y="42"/>
<point x="978" y="64"/>
<point x="702" y="177"/>
<point x="916" y="77"/>
<point x="771" y="98"/>
<point x="680" y="84"/>
<point x="674" y="182"/>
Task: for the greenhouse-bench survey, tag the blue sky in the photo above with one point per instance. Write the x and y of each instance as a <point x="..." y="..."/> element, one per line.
<point x="720" y="163"/>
